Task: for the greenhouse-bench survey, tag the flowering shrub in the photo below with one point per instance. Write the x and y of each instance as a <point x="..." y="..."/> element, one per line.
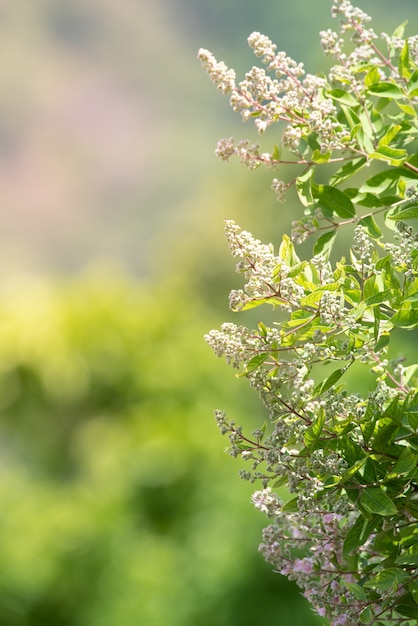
<point x="348" y="533"/>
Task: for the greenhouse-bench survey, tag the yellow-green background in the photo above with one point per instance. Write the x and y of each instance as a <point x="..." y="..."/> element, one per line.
<point x="118" y="506"/>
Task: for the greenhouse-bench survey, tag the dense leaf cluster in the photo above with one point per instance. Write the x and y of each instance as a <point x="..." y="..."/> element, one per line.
<point x="348" y="533"/>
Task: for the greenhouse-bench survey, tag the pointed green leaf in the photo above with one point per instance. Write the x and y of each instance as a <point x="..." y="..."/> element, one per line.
<point x="366" y="615"/>
<point x="404" y="213"/>
<point x="320" y="157"/>
<point x="335" y="201"/>
<point x="404" y="61"/>
<point x="407" y="462"/>
<point x="407" y="606"/>
<point x="413" y="588"/>
<point x="312" y="433"/>
<point x="400" y="30"/>
<point x="275" y="155"/>
<point x="374" y="500"/>
<point x="291" y="506"/>
<point x="413" y="84"/>
<point x="359" y="533"/>
<point x="386" y="180"/>
<point x="406" y="108"/>
<point x="394" y="156"/>
<point x="357" y="591"/>
<point x="255" y="362"/>
<point x="409" y="556"/>
<point x="371" y="227"/>
<point x="324" y="243"/>
<point x="389" y="136"/>
<point x="330" y="381"/>
<point x="386" y="90"/>
<point x="287" y="252"/>
<point x="406" y="317"/>
<point x="347" y="170"/>
<point x="304" y="187"/>
<point x="387" y="579"/>
<point x="372" y="77"/>
<point x="382" y="342"/>
<point x="340" y="95"/>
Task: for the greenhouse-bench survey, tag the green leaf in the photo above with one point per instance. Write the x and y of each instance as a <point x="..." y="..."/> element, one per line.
<point x="378" y="298"/>
<point x="387" y="579"/>
<point x="406" y="108"/>
<point x="255" y="362"/>
<point x="359" y="533"/>
<point x="374" y="500"/>
<point x="304" y="187"/>
<point x="324" y="243"/>
<point x="291" y="506"/>
<point x="320" y="157"/>
<point x="335" y="201"/>
<point x="312" y="433"/>
<point x="287" y="252"/>
<point x="413" y="84"/>
<point x="400" y="30"/>
<point x="407" y="606"/>
<point x="389" y="136"/>
<point x="371" y="227"/>
<point x="366" y="615"/>
<point x="275" y="155"/>
<point x="408" y="373"/>
<point x="358" y="465"/>
<point x="413" y="588"/>
<point x="386" y="180"/>
<point x="347" y="170"/>
<point x="406" y="317"/>
<point x="262" y="328"/>
<point x="403" y="213"/>
<point x="340" y="95"/>
<point x="404" y="64"/>
<point x="394" y="156"/>
<point x="372" y="77"/>
<point x="382" y="342"/>
<point x="376" y="324"/>
<point x="330" y="381"/>
<point x="409" y="556"/>
<point x="357" y="591"/>
<point x="407" y="462"/>
<point x="386" y="90"/>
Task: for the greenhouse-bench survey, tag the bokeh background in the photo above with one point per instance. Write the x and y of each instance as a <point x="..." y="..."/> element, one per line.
<point x="118" y="505"/>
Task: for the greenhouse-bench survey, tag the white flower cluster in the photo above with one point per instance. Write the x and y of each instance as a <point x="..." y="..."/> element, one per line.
<point x="231" y="341"/>
<point x="362" y="249"/>
<point x="266" y="273"/>
<point x="267" y="502"/>
<point x="404" y="250"/>
<point x="352" y="16"/>
<point x="280" y="188"/>
<point x="333" y="311"/>
<point x="289" y="96"/>
<point x="221" y="76"/>
<point x="308" y="549"/>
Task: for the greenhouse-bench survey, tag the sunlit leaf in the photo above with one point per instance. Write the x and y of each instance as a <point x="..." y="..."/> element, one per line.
<point x="335" y="201"/>
<point x="324" y="243"/>
<point x="385" y="89"/>
<point x="304" y="187"/>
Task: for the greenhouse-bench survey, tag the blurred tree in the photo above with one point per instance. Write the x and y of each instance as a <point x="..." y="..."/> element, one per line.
<point x="118" y="504"/>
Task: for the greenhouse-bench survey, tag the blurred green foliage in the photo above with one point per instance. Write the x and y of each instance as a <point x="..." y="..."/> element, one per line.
<point x="118" y="503"/>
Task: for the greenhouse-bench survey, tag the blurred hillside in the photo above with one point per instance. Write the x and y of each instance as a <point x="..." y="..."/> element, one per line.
<point x="108" y="124"/>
